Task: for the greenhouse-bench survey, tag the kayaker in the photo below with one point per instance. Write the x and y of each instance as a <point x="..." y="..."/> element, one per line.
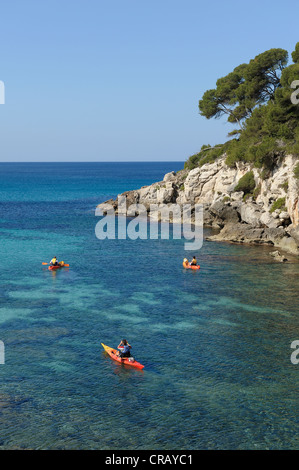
<point x="194" y="261"/>
<point x="54" y="261"/>
<point x="186" y="262"/>
<point x="125" y="346"/>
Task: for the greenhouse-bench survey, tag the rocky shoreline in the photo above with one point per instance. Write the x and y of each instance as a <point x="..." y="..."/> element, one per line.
<point x="240" y="218"/>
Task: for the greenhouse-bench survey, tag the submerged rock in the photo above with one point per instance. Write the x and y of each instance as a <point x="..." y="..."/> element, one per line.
<point x="278" y="256"/>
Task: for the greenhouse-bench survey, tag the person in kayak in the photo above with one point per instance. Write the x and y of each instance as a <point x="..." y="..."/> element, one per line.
<point x="125" y="346"/>
<point x="186" y="262"/>
<point x="54" y="261"/>
<point x="194" y="261"/>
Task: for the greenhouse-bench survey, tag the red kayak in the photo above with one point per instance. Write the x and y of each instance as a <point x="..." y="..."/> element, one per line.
<point x="189" y="266"/>
<point x="58" y="266"/>
<point x="129" y="361"/>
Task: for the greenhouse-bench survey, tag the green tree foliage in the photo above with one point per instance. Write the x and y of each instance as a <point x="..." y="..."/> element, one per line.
<point x="295" y="54"/>
<point x="257" y="97"/>
<point x="262" y="76"/>
<point x="225" y="98"/>
<point x="249" y="85"/>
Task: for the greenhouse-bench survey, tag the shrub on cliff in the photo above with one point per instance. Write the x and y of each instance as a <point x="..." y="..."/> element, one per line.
<point x="207" y="154"/>
<point x="278" y="204"/>
<point x="246" y="183"/>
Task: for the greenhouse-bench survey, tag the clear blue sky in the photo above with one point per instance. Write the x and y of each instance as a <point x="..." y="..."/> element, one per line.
<point x="93" y="80"/>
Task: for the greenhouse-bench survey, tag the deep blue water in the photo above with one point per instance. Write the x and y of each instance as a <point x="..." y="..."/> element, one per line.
<point x="215" y="343"/>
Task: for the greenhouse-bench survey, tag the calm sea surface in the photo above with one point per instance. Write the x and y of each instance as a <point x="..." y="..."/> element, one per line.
<point x="215" y="343"/>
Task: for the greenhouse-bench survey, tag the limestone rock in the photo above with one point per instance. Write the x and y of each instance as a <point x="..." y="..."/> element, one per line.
<point x="169" y="176"/>
<point x="251" y="214"/>
<point x="244" y="221"/>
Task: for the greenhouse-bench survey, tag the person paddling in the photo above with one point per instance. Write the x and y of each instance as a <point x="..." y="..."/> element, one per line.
<point x="54" y="261"/>
<point x="194" y="261"/>
<point x="125" y="346"/>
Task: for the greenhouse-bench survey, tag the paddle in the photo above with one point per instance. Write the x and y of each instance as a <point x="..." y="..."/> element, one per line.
<point x="65" y="265"/>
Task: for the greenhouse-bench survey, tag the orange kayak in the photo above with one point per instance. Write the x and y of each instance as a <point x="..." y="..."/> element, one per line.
<point x="188" y="266"/>
<point x="129" y="361"/>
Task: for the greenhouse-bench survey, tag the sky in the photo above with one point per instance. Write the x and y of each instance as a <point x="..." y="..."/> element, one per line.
<point x="92" y="80"/>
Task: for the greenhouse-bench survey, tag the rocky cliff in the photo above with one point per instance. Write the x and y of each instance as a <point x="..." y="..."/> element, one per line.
<point x="269" y="216"/>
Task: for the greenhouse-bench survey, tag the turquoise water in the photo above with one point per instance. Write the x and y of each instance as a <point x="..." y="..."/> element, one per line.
<point x="215" y="343"/>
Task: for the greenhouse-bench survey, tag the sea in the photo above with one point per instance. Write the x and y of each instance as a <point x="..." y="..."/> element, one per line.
<point x="215" y="343"/>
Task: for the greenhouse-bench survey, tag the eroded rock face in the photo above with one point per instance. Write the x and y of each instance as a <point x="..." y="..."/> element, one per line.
<point x="225" y="212"/>
<point x="169" y="177"/>
<point x="250" y="220"/>
<point x="294" y="233"/>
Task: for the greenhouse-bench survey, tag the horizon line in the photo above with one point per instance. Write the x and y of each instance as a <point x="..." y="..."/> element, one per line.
<point x="102" y="161"/>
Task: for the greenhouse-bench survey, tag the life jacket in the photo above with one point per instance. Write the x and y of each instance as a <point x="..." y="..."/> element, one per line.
<point x="126" y="349"/>
<point x="194" y="262"/>
<point x="53" y="261"/>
